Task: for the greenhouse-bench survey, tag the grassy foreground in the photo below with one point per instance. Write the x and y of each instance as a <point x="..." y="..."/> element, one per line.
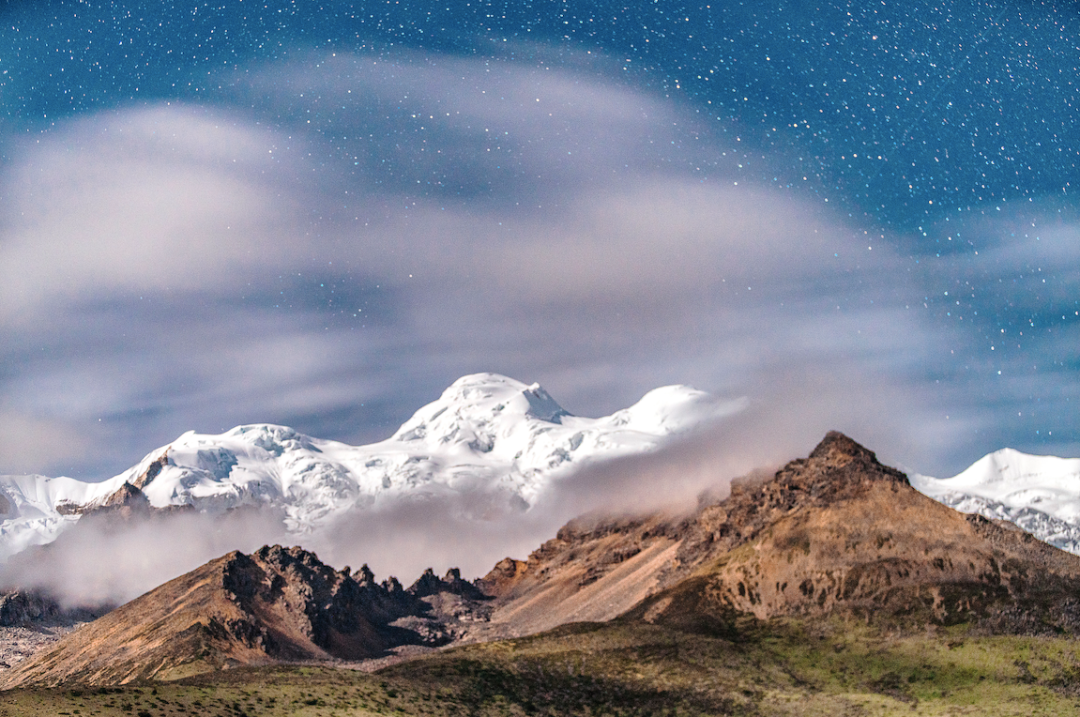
<point x="780" y="668"/>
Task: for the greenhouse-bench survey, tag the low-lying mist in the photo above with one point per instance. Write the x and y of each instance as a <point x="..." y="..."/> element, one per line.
<point x="109" y="560"/>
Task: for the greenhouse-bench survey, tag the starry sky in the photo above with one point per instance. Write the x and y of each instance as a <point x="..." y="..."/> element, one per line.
<point x="858" y="215"/>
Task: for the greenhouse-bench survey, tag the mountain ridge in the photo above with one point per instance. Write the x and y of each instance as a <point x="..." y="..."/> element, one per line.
<point x="833" y="534"/>
<point x="486" y="433"/>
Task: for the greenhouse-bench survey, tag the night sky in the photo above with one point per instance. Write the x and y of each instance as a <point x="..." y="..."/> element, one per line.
<point x="859" y="215"/>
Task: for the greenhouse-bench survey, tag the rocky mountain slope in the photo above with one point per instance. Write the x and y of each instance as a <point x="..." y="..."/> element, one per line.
<point x="275" y="605"/>
<point x="486" y="433"/>
<point x="836" y="532"/>
<point x="1040" y="494"/>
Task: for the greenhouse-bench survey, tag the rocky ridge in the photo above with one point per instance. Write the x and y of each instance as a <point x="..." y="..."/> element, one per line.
<point x="277" y="604"/>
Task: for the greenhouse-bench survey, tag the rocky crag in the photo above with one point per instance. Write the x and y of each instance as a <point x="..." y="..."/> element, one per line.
<point x="277" y="604"/>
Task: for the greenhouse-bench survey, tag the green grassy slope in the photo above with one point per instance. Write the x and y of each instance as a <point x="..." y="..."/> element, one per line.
<point x="779" y="668"/>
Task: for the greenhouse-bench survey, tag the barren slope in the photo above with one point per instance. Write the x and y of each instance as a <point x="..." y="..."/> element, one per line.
<point x="836" y="531"/>
<point x="277" y="604"/>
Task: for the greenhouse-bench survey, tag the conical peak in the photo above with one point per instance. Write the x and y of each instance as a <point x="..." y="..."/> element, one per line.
<point x="837" y="468"/>
<point x="838" y="449"/>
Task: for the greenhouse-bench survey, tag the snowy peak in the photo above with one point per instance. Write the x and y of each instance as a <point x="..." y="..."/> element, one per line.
<point x="1041" y="494"/>
<point x="476" y="408"/>
<point x="1019" y="480"/>
<point x="675" y="409"/>
<point x="486" y="435"/>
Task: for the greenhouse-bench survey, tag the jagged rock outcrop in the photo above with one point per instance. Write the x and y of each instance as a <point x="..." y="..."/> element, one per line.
<point x="275" y="604"/>
<point x="430" y="584"/>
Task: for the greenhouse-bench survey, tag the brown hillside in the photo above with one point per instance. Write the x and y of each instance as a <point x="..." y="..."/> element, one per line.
<point x="839" y="532"/>
<point x="277" y="604"/>
<point x="836" y="531"/>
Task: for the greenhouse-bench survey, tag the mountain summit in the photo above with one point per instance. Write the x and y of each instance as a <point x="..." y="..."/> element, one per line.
<point x="1041" y="494"/>
<point x="486" y="434"/>
<point x="836" y="532"/>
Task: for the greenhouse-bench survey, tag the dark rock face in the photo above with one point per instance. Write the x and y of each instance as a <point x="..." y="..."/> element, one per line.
<point x="349" y="616"/>
<point x="22" y="608"/>
<point x="29" y="607"/>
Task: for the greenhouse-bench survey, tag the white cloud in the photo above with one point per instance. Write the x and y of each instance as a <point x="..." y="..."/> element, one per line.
<point x="147" y="200"/>
<point x="178" y="263"/>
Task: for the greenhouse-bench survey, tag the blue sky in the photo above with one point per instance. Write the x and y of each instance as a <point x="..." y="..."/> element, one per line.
<point x="859" y="216"/>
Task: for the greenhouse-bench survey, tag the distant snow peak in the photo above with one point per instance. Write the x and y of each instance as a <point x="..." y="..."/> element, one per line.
<point x="495" y="439"/>
<point x="1040" y="494"/>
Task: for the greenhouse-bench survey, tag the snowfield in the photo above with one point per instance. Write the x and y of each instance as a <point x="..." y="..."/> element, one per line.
<point x="487" y="434"/>
<point x="1040" y="494"/>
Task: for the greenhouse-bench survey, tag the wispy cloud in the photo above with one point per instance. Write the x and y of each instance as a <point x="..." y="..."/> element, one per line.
<point x="412" y="218"/>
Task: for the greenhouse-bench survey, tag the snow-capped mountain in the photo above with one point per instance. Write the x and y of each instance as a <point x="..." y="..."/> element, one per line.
<point x="487" y="434"/>
<point x="1040" y="494"/>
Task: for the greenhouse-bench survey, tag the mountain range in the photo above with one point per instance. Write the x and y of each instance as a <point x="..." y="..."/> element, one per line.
<point x="487" y="434"/>
<point x="834" y="536"/>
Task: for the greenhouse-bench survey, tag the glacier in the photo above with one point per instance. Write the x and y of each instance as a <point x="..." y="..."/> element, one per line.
<point x="487" y="434"/>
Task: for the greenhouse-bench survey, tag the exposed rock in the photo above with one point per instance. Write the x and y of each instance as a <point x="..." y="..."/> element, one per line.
<point x="147" y="476"/>
<point x="21" y="607"/>
<point x="126" y="503"/>
<point x="506" y="573"/>
<point x="430" y="584"/>
<point x="275" y="604"/>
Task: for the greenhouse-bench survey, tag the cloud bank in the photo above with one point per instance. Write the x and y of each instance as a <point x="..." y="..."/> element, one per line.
<point x="335" y="239"/>
<point x="104" y="559"/>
